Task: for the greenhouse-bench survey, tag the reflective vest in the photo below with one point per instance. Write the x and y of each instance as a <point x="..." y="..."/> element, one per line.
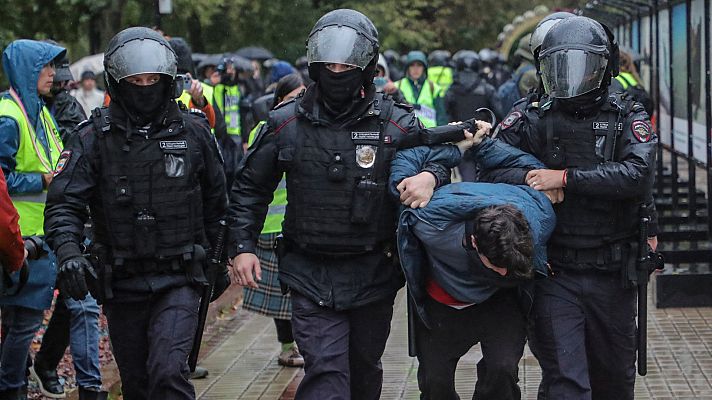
<point x="442" y="76"/>
<point x="32" y="158"/>
<point x="426" y="100"/>
<point x="207" y="93"/>
<point x="185" y="98"/>
<point x="227" y="99"/>
<point x="275" y="213"/>
<point x="626" y="80"/>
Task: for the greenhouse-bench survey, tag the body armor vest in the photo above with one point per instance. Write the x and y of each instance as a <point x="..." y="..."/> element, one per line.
<point x="585" y="222"/>
<point x="336" y="185"/>
<point x="150" y="197"/>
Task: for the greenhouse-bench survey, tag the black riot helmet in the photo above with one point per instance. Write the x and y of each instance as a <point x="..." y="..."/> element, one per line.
<point x="439" y="58"/>
<point x="138" y="50"/>
<point x="343" y="36"/>
<point x="467" y="60"/>
<point x="543" y="27"/>
<point x="576" y="58"/>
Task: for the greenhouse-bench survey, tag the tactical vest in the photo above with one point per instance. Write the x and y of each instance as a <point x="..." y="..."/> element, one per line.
<point x="150" y="197"/>
<point x="227" y="99"/>
<point x="32" y="158"/>
<point x="584" y="222"/>
<point x="337" y="184"/>
<point x="426" y="100"/>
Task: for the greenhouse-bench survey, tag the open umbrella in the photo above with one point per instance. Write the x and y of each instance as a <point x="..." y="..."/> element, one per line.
<point x="255" y="53"/>
<point x="241" y="63"/>
<point x="93" y="63"/>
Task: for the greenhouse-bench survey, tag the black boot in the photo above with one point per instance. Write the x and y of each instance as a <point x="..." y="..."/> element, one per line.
<point x="92" y="394"/>
<point x="48" y="381"/>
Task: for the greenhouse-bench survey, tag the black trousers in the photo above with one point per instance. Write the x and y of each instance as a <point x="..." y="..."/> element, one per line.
<point x="151" y="341"/>
<point x="498" y="325"/>
<point x="584" y="336"/>
<point x="342" y="349"/>
<point x="284" y="330"/>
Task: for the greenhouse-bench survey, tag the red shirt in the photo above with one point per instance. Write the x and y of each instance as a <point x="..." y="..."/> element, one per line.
<point x="12" y="249"/>
<point x="441" y="296"/>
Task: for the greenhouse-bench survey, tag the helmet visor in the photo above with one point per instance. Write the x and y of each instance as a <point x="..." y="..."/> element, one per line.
<point x="340" y="45"/>
<point x="571" y="73"/>
<point x="141" y="56"/>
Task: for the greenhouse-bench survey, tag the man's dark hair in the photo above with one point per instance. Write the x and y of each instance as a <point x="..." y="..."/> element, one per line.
<point x="285" y="85"/>
<point x="503" y="236"/>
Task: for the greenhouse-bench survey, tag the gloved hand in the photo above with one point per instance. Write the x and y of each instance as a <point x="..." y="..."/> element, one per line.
<point x="71" y="279"/>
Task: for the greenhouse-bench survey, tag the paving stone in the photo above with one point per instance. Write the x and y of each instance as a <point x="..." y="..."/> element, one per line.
<point x="244" y="366"/>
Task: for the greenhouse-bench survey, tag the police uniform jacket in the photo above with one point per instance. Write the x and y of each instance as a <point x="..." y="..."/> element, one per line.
<point x="625" y="178"/>
<point x="88" y="180"/>
<point x="285" y="144"/>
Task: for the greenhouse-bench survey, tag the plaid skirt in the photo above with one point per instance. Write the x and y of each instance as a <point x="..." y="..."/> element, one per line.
<point x="268" y="299"/>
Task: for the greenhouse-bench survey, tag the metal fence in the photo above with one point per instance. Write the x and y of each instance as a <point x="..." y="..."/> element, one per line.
<point x="673" y="41"/>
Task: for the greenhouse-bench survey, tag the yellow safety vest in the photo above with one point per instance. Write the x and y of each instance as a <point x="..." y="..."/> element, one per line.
<point x="207" y="93"/>
<point x="442" y="76"/>
<point x="275" y="213"/>
<point x="227" y="99"/>
<point x="32" y="158"/>
<point x="627" y="80"/>
<point x="426" y="100"/>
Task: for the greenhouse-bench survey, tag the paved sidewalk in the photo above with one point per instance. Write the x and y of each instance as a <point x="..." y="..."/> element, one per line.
<point x="245" y="365"/>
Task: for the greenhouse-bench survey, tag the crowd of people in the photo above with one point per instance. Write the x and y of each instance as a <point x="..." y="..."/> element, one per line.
<point x="329" y="186"/>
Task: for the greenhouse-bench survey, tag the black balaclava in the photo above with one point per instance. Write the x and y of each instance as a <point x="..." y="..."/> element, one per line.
<point x="586" y="104"/>
<point x="338" y="90"/>
<point x="144" y="103"/>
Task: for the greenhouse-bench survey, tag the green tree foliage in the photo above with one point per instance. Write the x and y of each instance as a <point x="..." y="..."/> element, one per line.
<point x="216" y="26"/>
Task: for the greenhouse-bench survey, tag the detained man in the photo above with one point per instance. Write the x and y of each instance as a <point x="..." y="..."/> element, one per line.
<point x="469" y="259"/>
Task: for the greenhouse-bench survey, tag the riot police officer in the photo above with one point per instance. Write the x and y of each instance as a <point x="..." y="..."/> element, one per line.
<point x="152" y="177"/>
<point x="468" y="92"/>
<point x="335" y="143"/>
<point x="599" y="150"/>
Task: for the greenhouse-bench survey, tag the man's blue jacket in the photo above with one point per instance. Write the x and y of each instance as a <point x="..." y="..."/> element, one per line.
<point x="459" y="202"/>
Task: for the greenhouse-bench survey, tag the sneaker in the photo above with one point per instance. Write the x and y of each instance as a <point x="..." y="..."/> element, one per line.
<point x="199" y="373"/>
<point x="48" y="381"/>
<point x="291" y="358"/>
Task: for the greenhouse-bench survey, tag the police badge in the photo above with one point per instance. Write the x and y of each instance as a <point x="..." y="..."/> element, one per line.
<point x="365" y="155"/>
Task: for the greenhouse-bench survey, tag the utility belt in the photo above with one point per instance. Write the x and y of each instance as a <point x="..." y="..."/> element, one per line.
<point x="110" y="268"/>
<point x="609" y="257"/>
<point x="284" y="245"/>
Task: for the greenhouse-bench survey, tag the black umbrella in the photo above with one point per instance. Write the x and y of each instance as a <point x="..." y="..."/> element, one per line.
<point x="255" y="53"/>
<point x="210" y="59"/>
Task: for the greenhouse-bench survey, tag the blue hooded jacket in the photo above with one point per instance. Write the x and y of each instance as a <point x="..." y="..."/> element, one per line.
<point x="22" y="62"/>
<point x="459" y="202"/>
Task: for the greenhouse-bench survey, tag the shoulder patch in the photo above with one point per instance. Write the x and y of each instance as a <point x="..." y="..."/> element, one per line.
<point x="511" y="119"/>
<point x="641" y="131"/>
<point x="64" y="158"/>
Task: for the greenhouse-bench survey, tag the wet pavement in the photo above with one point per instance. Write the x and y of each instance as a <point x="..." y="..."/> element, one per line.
<point x="244" y="365"/>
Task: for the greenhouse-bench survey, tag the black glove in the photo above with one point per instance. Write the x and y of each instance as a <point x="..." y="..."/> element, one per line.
<point x="72" y="277"/>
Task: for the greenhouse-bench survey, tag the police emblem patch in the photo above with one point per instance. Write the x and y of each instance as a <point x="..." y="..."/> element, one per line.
<point x="62" y="162"/>
<point x="511" y="119"/>
<point x="365" y="155"/>
<point x="641" y="131"/>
